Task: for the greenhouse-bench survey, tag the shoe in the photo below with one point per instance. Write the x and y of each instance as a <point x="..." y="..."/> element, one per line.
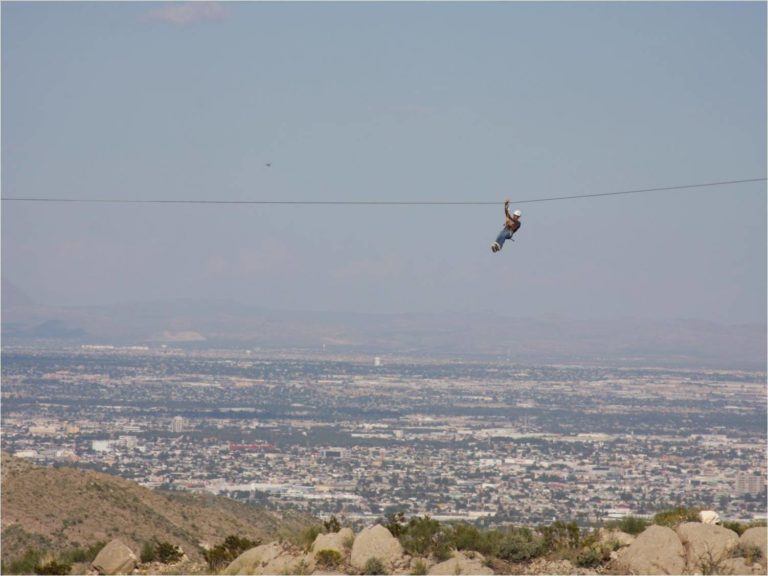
<point x="495" y="247"/>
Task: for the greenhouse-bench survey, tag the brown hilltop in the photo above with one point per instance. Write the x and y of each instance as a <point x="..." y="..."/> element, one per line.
<point x="57" y="509"/>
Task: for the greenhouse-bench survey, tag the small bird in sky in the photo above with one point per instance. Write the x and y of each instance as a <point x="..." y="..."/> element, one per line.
<point x="268" y="164"/>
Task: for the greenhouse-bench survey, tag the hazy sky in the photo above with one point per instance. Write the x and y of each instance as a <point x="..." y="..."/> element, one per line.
<point x="389" y="101"/>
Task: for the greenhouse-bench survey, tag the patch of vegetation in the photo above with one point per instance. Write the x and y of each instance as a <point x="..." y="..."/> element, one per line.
<point x="675" y="516"/>
<point x="53" y="567"/>
<point x="419" y="568"/>
<point x="520" y="545"/>
<point x="82" y="554"/>
<point x="750" y="552"/>
<point x="332" y="524"/>
<point x="26" y="563"/>
<point x="593" y="556"/>
<point x="328" y="558"/>
<point x="168" y="553"/>
<point x="148" y="552"/>
<point x="222" y="554"/>
<point x="395" y="523"/>
<point x="629" y="524"/>
<point x="374" y="566"/>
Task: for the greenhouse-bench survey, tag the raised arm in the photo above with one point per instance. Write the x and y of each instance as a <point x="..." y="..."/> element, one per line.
<point x="506" y="210"/>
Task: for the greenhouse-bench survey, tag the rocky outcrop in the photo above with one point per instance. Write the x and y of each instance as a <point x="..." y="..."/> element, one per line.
<point x="273" y="558"/>
<point x="657" y="550"/>
<point x="706" y="544"/>
<point x="462" y="563"/>
<point x="757" y="536"/>
<point x="376" y="542"/>
<point x="617" y="537"/>
<point x="115" y="558"/>
<point x="333" y="541"/>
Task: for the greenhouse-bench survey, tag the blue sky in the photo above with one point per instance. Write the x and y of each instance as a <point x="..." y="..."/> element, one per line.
<point x="389" y="101"/>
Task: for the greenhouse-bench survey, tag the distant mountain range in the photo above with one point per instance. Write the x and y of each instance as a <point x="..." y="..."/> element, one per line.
<point x="628" y="342"/>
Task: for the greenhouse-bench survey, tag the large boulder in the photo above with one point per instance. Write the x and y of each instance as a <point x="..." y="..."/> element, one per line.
<point x="706" y="544"/>
<point x="617" y="537"/>
<point x="115" y="558"/>
<point x="757" y="536"/>
<point x="657" y="550"/>
<point x="376" y="542"/>
<point x="462" y="563"/>
<point x="272" y="558"/>
<point x="333" y="541"/>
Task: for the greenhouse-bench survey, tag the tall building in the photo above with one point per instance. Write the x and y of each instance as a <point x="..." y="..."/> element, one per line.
<point x="749" y="483"/>
<point x="177" y="425"/>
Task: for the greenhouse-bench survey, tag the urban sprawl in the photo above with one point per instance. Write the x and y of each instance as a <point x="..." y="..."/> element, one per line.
<point x="363" y="437"/>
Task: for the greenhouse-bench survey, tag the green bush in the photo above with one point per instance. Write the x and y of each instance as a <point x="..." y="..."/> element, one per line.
<point x="676" y="516"/>
<point x="559" y="536"/>
<point x="374" y="566"/>
<point x="52" y="567"/>
<point x="395" y="523"/>
<point x="148" y="552"/>
<point x="592" y="556"/>
<point x="520" y="545"/>
<point x="420" y="536"/>
<point x="307" y="537"/>
<point x="737" y="527"/>
<point x="328" y="558"/>
<point x="26" y="564"/>
<point x="83" y="554"/>
<point x="632" y="525"/>
<point x="222" y="554"/>
<point x="168" y="553"/>
<point x="419" y="568"/>
<point x="332" y="524"/>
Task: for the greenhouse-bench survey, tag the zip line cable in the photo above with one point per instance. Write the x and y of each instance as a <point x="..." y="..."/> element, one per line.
<point x="377" y="202"/>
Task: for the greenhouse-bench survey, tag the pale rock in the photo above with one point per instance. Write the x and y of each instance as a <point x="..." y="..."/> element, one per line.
<point x="332" y="541"/>
<point x="461" y="564"/>
<point x="706" y="543"/>
<point x="709" y="517"/>
<point x="757" y="536"/>
<point x="376" y="542"/>
<point x="115" y="558"/>
<point x="657" y="550"/>
<point x="617" y="536"/>
<point x="272" y="558"/>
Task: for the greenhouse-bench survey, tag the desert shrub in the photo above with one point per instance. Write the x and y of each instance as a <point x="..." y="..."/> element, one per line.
<point x="632" y="525"/>
<point x="737" y="527"/>
<point x="222" y="554"/>
<point x="750" y="552"/>
<point x="83" y="554"/>
<point x="419" y="568"/>
<point x="26" y="563"/>
<point x="167" y="553"/>
<point x="395" y="523"/>
<point x="328" y="558"/>
<point x="374" y="566"/>
<point x="675" y="516"/>
<point x="593" y="556"/>
<point x="466" y="537"/>
<point x="148" y="552"/>
<point x="332" y="524"/>
<point x="307" y="537"/>
<point x="419" y="536"/>
<point x="559" y="535"/>
<point x="520" y="545"/>
<point x="349" y="541"/>
<point x="52" y="567"/>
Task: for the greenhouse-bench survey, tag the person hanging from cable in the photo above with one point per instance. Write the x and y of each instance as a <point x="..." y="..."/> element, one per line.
<point x="511" y="225"/>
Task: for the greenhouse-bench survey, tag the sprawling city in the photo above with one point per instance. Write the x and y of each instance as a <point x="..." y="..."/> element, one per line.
<point x="362" y="437"/>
